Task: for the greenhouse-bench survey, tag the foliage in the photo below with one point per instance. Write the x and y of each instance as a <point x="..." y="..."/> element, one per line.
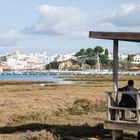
<point x="130" y="57"/>
<point x="89" y="56"/>
<point x="53" y="65"/>
<point x="89" y="52"/>
<point x="91" y="62"/>
<point x="125" y="64"/>
<point x="80" y="53"/>
<point x="98" y="49"/>
<point x="106" y="52"/>
<point x="104" y="59"/>
<point x="110" y="64"/>
<point x="106" y="63"/>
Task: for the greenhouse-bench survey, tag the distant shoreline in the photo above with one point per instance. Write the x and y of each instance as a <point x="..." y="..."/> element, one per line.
<point x="65" y="72"/>
<point x="98" y="78"/>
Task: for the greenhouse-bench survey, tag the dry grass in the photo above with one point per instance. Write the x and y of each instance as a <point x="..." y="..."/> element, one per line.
<point x="54" y="106"/>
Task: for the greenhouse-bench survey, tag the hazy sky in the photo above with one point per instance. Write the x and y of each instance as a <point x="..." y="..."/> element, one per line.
<point x="61" y="26"/>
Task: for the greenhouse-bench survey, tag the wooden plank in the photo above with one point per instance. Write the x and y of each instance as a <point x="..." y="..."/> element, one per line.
<point x="120" y="92"/>
<point x="123" y="36"/>
<point x="136" y="93"/>
<point x="126" y="121"/>
<point x="122" y="108"/>
<point x="122" y="126"/>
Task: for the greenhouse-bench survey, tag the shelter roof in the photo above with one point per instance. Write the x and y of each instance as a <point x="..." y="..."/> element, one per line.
<point x="122" y="36"/>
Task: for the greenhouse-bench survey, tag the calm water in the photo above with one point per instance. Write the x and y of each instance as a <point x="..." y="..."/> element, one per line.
<point x="49" y="78"/>
<point x="35" y="77"/>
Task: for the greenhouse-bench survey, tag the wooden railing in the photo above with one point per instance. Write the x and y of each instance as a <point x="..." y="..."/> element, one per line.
<point x="122" y="114"/>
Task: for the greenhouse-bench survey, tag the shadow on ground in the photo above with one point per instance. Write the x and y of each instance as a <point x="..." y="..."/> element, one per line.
<point x="60" y="130"/>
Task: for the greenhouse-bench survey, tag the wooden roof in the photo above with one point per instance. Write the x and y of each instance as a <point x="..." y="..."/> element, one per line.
<point x="122" y="36"/>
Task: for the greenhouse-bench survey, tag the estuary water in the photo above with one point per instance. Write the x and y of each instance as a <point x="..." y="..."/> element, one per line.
<point x="31" y="77"/>
<point x="40" y="77"/>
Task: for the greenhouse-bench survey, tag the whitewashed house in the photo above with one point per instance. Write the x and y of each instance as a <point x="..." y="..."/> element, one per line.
<point x="136" y="59"/>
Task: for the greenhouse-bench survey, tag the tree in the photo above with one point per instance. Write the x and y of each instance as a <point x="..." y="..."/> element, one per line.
<point x="98" y="49"/>
<point x="88" y="56"/>
<point x="91" y="62"/>
<point x="125" y="64"/>
<point x="130" y="57"/>
<point x="89" y="52"/>
<point x="106" y="52"/>
<point x="104" y="59"/>
<point x="80" y="53"/>
<point x="106" y="63"/>
<point x="53" y="65"/>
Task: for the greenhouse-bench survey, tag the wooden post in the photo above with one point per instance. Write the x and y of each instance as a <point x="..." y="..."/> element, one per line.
<point x="108" y="105"/>
<point x="138" y="107"/>
<point x="115" y="67"/>
<point x="138" y="112"/>
<point x="115" y="75"/>
<point x="117" y="134"/>
<point x="122" y="114"/>
<point x="138" y="135"/>
<point x="128" y="114"/>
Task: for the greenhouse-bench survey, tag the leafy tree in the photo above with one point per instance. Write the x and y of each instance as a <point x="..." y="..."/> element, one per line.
<point x="98" y="49"/>
<point x="106" y="63"/>
<point x="89" y="52"/>
<point x="88" y="56"/>
<point x="106" y="52"/>
<point x="53" y="65"/>
<point x="130" y="57"/>
<point x="80" y="53"/>
<point x="125" y="64"/>
<point x="110" y="64"/>
<point x="104" y="59"/>
<point x="91" y="62"/>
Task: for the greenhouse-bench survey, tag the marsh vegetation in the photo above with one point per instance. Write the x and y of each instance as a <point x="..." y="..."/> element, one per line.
<point x="30" y="111"/>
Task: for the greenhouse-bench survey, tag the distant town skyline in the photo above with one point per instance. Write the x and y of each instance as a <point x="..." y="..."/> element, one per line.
<point x="63" y="26"/>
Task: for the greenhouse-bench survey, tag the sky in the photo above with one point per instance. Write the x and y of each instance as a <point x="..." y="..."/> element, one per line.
<point x="62" y="26"/>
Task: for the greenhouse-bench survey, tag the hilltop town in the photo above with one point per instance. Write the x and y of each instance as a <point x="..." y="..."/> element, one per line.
<point x="19" y="61"/>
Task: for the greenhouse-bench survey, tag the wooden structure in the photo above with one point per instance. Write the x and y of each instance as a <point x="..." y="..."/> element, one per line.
<point x="117" y="120"/>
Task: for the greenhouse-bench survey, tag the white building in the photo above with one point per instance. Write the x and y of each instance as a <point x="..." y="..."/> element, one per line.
<point x="64" y="57"/>
<point x="17" y="60"/>
<point x="20" y="61"/>
<point x="120" y="55"/>
<point x="136" y="59"/>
